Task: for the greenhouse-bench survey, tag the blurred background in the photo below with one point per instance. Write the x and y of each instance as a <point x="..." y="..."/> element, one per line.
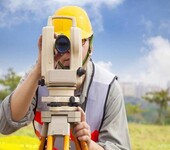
<point x="131" y="39"/>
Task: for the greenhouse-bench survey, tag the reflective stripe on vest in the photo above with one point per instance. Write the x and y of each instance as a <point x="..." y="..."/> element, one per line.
<point x="94" y="106"/>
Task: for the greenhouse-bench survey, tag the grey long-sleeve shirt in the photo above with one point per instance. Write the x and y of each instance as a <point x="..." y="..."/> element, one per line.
<point x="114" y="134"/>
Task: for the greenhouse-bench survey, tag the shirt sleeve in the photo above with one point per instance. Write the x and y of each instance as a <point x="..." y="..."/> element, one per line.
<point x="7" y="125"/>
<point x="114" y="133"/>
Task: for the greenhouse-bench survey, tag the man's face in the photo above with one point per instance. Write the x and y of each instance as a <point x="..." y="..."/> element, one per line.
<point x="65" y="58"/>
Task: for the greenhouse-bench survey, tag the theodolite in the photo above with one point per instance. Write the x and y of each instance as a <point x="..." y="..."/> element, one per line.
<point x="61" y="83"/>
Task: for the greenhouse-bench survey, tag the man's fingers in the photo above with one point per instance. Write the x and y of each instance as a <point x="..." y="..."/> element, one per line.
<point x="83" y="132"/>
<point x="55" y="36"/>
<point x="40" y="42"/>
<point x="83" y="115"/>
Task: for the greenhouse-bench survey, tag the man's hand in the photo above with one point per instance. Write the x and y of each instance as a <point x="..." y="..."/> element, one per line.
<point x="82" y="129"/>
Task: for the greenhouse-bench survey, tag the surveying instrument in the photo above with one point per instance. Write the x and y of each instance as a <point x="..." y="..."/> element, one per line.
<point x="61" y="83"/>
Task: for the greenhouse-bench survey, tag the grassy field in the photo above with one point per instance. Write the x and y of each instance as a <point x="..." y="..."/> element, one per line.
<point x="149" y="137"/>
<point x="143" y="137"/>
<point x="23" y="139"/>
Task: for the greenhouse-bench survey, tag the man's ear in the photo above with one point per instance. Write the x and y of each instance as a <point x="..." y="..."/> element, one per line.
<point x="90" y="51"/>
<point x="91" y="44"/>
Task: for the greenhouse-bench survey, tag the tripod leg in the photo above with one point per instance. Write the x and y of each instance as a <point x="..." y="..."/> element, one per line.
<point x="77" y="143"/>
<point x="42" y="143"/>
<point x="66" y="142"/>
<point x="44" y="136"/>
<point x="80" y="145"/>
<point x="83" y="145"/>
<point x="50" y="142"/>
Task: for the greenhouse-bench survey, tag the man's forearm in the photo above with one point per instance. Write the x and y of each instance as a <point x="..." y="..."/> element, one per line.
<point x="23" y="95"/>
<point x="95" y="146"/>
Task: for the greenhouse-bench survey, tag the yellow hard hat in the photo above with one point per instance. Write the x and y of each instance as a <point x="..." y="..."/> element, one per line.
<point x="62" y="26"/>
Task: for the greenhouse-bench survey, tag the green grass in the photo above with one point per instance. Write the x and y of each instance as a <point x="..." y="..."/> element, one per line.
<point x="143" y="137"/>
<point x="149" y="137"/>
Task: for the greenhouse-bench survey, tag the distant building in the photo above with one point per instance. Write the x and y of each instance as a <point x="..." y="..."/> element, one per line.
<point x="129" y="88"/>
<point x="137" y="89"/>
<point x="168" y="85"/>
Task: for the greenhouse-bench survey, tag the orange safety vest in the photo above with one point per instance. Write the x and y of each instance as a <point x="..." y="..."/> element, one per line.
<point x="95" y="102"/>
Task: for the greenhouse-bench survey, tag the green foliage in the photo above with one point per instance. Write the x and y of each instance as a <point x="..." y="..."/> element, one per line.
<point x="161" y="98"/>
<point x="142" y="111"/>
<point x="9" y="82"/>
<point x="134" y="112"/>
<point x="133" y="109"/>
<point x="167" y="116"/>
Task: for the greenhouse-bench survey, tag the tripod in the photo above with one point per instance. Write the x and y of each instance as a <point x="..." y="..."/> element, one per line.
<point x="61" y="84"/>
<point x="58" y="120"/>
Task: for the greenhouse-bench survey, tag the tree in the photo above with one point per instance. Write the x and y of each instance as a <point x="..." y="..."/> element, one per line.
<point x="134" y="113"/>
<point x="161" y="98"/>
<point x="8" y="83"/>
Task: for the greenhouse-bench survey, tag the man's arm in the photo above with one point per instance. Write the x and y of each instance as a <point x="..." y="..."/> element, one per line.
<point x="24" y="93"/>
<point x="114" y="130"/>
<point x="17" y="107"/>
<point x="8" y="122"/>
<point x="7" y="125"/>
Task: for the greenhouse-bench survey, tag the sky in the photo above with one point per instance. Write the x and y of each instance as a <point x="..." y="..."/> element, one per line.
<point x="131" y="37"/>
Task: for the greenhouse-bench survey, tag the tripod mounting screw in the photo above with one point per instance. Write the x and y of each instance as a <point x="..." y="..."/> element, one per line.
<point x="41" y="82"/>
<point x="72" y="102"/>
<point x="72" y="99"/>
<point x="80" y="71"/>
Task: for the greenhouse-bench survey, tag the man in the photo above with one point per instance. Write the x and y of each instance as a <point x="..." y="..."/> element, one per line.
<point x="103" y="117"/>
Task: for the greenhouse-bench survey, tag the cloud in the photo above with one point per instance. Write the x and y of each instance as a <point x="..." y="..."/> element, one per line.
<point x="165" y="26"/>
<point x="0" y="72"/>
<point x="153" y="67"/>
<point x="106" y="65"/>
<point x="21" y="74"/>
<point x="148" y="24"/>
<point x="19" y="11"/>
<point x="158" y="61"/>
